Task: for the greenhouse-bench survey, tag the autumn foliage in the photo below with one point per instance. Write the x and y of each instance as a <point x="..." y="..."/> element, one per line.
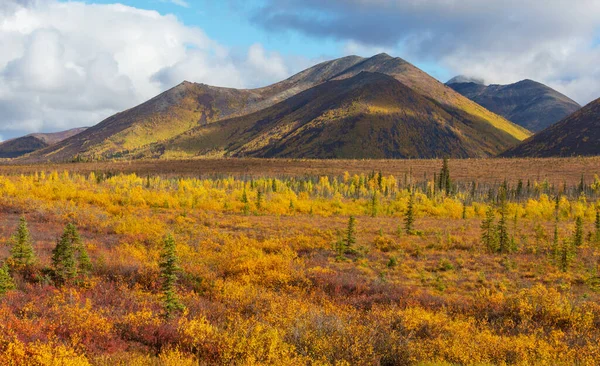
<point x="319" y="270"/>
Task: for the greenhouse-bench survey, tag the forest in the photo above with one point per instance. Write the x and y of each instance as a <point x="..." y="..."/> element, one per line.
<point x="100" y="268"/>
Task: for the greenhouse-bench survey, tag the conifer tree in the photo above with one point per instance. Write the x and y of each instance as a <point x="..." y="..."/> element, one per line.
<point x="6" y="281"/>
<point x="259" y="199"/>
<point x="597" y="225"/>
<point x="445" y="183"/>
<point x="70" y="260"/>
<point x="63" y="256"/>
<point x="350" y="239"/>
<point x="488" y="230"/>
<point x="374" y="204"/>
<point x="503" y="237"/>
<point x="564" y="255"/>
<point x="21" y="252"/>
<point x="409" y="215"/>
<point x="578" y="233"/>
<point x="169" y="268"/>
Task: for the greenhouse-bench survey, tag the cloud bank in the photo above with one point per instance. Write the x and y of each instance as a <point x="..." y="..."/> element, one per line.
<point x="73" y="64"/>
<point x="501" y="41"/>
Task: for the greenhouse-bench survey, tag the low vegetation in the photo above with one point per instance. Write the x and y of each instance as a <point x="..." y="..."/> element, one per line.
<point x="343" y="269"/>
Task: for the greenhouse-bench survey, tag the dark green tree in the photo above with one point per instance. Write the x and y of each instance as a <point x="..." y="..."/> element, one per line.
<point x="503" y="237"/>
<point x="169" y="268"/>
<point x="21" y="253"/>
<point x="409" y="215"/>
<point x="488" y="230"/>
<point x="374" y="204"/>
<point x="64" y="264"/>
<point x="6" y="281"/>
<point x="597" y="225"/>
<point x="578" y="233"/>
<point x="350" y="239"/>
<point x="564" y="255"/>
<point x="259" y="199"/>
<point x="445" y="183"/>
<point x="70" y="260"/>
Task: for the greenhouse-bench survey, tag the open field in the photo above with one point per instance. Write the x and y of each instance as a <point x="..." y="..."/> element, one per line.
<point x="555" y="170"/>
<point x="272" y="272"/>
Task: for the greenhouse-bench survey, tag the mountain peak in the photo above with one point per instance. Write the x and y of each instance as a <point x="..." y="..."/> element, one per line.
<point x="460" y="79"/>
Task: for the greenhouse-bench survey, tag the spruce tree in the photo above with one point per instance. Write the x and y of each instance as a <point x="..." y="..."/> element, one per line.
<point x="21" y="252"/>
<point x="503" y="237"/>
<point x="374" y="204"/>
<point x="259" y="199"/>
<point x="578" y="233"/>
<point x="488" y="230"/>
<point x="6" y="281"/>
<point x="169" y="268"/>
<point x="597" y="225"/>
<point x="564" y="255"/>
<point x="64" y="264"/>
<point x="70" y="260"/>
<point x="445" y="183"/>
<point x="350" y="239"/>
<point x="409" y="215"/>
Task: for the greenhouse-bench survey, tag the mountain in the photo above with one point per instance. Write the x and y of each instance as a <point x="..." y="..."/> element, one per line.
<point x="30" y="143"/>
<point x="189" y="106"/>
<point x="576" y="135"/>
<point x="369" y="115"/>
<point x="527" y="103"/>
<point x="462" y="79"/>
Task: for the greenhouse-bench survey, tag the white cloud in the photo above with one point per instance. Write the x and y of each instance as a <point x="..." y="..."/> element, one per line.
<point x="553" y="41"/>
<point x="73" y="64"/>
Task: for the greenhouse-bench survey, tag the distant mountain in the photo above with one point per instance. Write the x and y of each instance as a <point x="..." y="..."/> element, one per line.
<point x="369" y="115"/>
<point x="30" y="143"/>
<point x="191" y="106"/>
<point x="576" y="135"/>
<point x="462" y="79"/>
<point x="527" y="103"/>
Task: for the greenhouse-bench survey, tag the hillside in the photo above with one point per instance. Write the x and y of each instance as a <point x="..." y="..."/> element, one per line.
<point x="527" y="103"/>
<point x="30" y="143"/>
<point x="369" y="115"/>
<point x="190" y="105"/>
<point x="576" y="135"/>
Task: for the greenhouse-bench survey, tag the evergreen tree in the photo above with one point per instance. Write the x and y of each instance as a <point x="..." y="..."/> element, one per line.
<point x="578" y="234"/>
<point x="6" y="281"/>
<point x="245" y="201"/>
<point x="64" y="264"/>
<point x="169" y="268"/>
<point x="445" y="183"/>
<point x="350" y="239"/>
<point x="464" y="211"/>
<point x="597" y="225"/>
<point x="374" y="204"/>
<point x="409" y="215"/>
<point x="488" y="230"/>
<point x="70" y="260"/>
<point x="259" y="199"/>
<point x="21" y="252"/>
<point x="503" y="237"/>
<point x="564" y="255"/>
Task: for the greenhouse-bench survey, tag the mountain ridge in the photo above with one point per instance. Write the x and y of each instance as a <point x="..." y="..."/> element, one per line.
<point x="527" y="103"/>
<point x="189" y="105"/>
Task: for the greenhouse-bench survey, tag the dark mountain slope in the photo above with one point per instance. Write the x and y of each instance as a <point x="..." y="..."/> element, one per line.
<point x="370" y="115"/>
<point x="578" y="134"/>
<point x="527" y="103"/>
<point x="30" y="143"/>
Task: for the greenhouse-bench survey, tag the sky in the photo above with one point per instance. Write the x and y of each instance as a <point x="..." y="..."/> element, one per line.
<point x="66" y="64"/>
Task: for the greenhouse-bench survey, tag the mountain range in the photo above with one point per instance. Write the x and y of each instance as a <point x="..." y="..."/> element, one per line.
<point x="349" y="107"/>
<point x="576" y="135"/>
<point x="527" y="103"/>
<point x="24" y="145"/>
